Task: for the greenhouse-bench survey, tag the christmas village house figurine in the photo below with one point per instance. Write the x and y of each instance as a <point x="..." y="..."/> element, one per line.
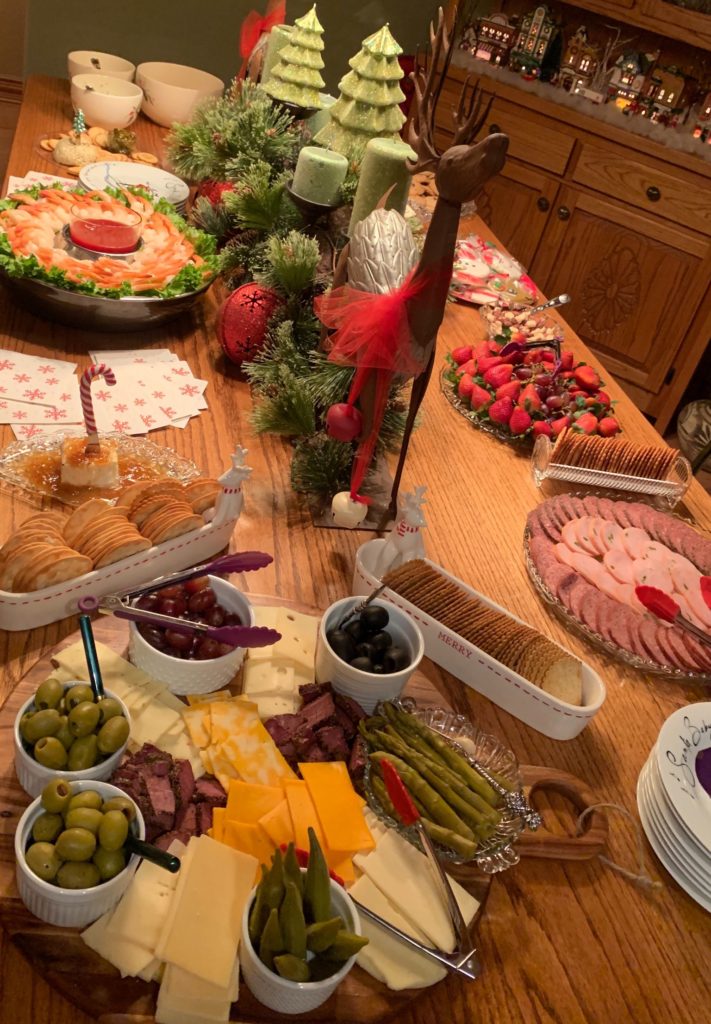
<point x="702" y="125"/>
<point x="666" y="93"/>
<point x="408" y="306"/>
<point x="493" y="39"/>
<point x="579" y="64"/>
<point x="628" y="77"/>
<point x="535" y="35"/>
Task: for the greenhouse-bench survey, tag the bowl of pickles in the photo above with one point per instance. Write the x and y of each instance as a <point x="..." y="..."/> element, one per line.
<point x="64" y="729"/>
<point x="72" y="860"/>
<point x="300" y="932"/>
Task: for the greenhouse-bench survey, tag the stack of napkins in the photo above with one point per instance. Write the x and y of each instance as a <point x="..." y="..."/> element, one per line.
<point x="38" y="178"/>
<point x="154" y="389"/>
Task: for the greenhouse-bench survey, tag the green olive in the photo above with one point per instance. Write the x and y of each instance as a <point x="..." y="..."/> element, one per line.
<point x="109" y="707"/>
<point x="24" y="721"/>
<point x="120" y="803"/>
<point x="56" y="796"/>
<point x="64" y="734"/>
<point x="78" y="876"/>
<point x="43" y="860"/>
<point x="76" y="844"/>
<point x="84" y="718"/>
<point x="78" y="694"/>
<point x="50" y="753"/>
<point x="42" y="723"/>
<point x="47" y="827"/>
<point x="84" y="817"/>
<point x="113" y="830"/>
<point x="89" y="798"/>
<point x="62" y="707"/>
<point x="109" y="862"/>
<point x="49" y="694"/>
<point x="83" y="754"/>
<point x="112" y="735"/>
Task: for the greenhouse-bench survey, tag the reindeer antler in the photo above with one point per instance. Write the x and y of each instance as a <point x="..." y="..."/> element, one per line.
<point x="469" y="115"/>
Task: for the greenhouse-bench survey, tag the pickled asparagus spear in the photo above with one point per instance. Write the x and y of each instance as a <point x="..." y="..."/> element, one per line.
<point x="436" y="806"/>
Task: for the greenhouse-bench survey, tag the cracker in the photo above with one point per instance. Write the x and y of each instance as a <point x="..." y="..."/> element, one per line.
<point x="129" y="495"/>
<point x="124" y="551"/>
<point x="81" y="517"/>
<point x="178" y="529"/>
<point x="65" y="566"/>
<point x="34" y="554"/>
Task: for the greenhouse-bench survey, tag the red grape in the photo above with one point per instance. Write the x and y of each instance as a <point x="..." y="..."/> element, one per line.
<point x="175" y="591"/>
<point x="202" y="601"/>
<point x="215" y="616"/>
<point x="174" y="606"/>
<point x="554" y="402"/>
<point x="225" y="649"/>
<point x="207" y="649"/>
<point x="523" y="373"/>
<point x="232" y="619"/>
<point x="179" y="641"/>
<point x="192" y="586"/>
<point x="148" y="602"/>
<point x="544" y="379"/>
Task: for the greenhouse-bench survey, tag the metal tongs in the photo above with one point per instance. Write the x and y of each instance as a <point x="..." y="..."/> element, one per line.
<point x="463" y="960"/>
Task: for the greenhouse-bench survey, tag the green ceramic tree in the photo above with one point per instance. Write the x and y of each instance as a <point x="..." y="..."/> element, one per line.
<point x="296" y="78"/>
<point x="368" y="105"/>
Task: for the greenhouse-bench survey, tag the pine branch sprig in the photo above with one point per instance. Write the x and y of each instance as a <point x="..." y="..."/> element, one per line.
<point x="292" y="263"/>
<point x="321" y="465"/>
<point x="289" y="411"/>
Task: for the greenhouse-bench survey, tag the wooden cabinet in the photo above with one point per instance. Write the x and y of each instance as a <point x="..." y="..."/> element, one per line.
<point x="517" y="204"/>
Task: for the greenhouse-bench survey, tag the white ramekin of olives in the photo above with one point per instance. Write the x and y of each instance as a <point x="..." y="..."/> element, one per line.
<point x="372" y="657"/>
<point x="74" y="833"/>
<point x="62" y="729"/>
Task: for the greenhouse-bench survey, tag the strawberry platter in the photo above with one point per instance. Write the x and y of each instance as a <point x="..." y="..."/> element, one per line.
<point x="589" y="557"/>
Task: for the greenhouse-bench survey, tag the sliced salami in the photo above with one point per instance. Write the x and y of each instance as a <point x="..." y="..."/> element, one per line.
<point x="550" y="527"/>
<point x="648" y="633"/>
<point x="590" y="609"/>
<point x="557" y="511"/>
<point x="696" y="549"/>
<point x="591" y="506"/>
<point x="636" y="512"/>
<point x="578" y="505"/>
<point x="621" y="628"/>
<point x="677" y="641"/>
<point x="701" y="653"/>
<point x="578" y="595"/>
<point x="567" y="587"/>
<point x="534" y="524"/>
<point x="568" y="506"/>
<point x="607" y="509"/>
<point x="671" y="658"/>
<point x="607" y="611"/>
<point x="662" y="528"/>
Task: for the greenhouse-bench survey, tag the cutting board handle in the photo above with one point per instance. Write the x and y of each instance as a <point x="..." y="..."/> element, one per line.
<point x="542" y="843"/>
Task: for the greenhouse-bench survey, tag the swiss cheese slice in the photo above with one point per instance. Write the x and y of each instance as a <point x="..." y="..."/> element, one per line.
<point x="202" y="933"/>
<point x="128" y="958"/>
<point x="267" y="678"/>
<point x="338" y="806"/>
<point x="298" y="639"/>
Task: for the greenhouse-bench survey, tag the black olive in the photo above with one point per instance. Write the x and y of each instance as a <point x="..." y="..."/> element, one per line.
<point x="395" y="659"/>
<point x="342" y="644"/>
<point x="366" y="650"/>
<point x="379" y="670"/>
<point x="381" y="641"/>
<point x="356" y="630"/>
<point x="364" y="664"/>
<point x="374" y="618"/>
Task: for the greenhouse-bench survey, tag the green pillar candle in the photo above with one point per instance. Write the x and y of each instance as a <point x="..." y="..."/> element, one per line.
<point x="316" y="122"/>
<point x="279" y="36"/>
<point x="383" y="166"/>
<point x="319" y="175"/>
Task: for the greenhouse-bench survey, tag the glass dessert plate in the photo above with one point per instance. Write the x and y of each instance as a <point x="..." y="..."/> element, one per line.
<point x="521" y="442"/>
<point x="497" y="853"/>
<point x="34" y="465"/>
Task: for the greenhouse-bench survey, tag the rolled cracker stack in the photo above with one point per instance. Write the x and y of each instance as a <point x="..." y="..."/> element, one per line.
<point x="522" y="649"/>
<point x="613" y="455"/>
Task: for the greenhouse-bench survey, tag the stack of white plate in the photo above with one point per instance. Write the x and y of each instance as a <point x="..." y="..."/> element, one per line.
<point x="674" y="799"/>
<point x="158" y="183"/>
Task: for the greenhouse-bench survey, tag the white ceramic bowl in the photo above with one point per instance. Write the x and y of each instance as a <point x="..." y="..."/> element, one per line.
<point x="292" y="996"/>
<point x="106" y="102"/>
<point x="365" y="687"/>
<point x="173" y="91"/>
<point x="33" y="776"/>
<point x="184" y="677"/>
<point x="70" y="908"/>
<point x="94" y="62"/>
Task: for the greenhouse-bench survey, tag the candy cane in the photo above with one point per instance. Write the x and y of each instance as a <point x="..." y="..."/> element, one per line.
<point x="90" y="374"/>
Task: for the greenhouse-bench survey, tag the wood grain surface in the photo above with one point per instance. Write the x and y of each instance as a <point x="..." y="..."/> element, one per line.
<point x="560" y="942"/>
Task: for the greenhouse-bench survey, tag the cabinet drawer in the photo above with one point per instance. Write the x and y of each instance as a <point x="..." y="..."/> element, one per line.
<point x="684" y="198"/>
<point x="532" y="138"/>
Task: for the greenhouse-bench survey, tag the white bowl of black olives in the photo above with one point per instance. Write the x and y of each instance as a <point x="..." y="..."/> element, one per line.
<point x="72" y="864"/>
<point x="371" y="656"/>
<point x="63" y="729"/>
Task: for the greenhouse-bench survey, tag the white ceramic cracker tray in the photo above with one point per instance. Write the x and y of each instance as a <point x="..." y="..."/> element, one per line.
<point x="513" y="693"/>
<point x="40" y="607"/>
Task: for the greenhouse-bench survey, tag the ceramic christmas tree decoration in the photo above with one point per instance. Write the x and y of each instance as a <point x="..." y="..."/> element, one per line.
<point x="295" y="79"/>
<point x="368" y="103"/>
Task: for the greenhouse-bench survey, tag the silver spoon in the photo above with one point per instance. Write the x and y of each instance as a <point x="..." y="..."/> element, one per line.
<point x="559" y="300"/>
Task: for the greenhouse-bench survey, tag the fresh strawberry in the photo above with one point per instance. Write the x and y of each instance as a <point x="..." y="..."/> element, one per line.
<point x="498" y="375"/>
<point x="213" y="190"/>
<point x="479" y="398"/>
<point x="567" y="359"/>
<point x="604" y="399"/>
<point x="511" y="389"/>
<point x="520" y="421"/>
<point x="560" y="424"/>
<point x="530" y="399"/>
<point x="501" y="410"/>
<point x="488" y="362"/>
<point x="548" y="355"/>
<point x="462" y="354"/>
<point x="585" y="423"/>
<point x="485" y="349"/>
<point x="577" y="393"/>
<point x="534" y="355"/>
<point x="542" y="427"/>
<point x="566" y="375"/>
<point x="586" y="377"/>
<point x="519" y="337"/>
<point x="464" y="388"/>
<point x="608" y="426"/>
<point x="470" y="367"/>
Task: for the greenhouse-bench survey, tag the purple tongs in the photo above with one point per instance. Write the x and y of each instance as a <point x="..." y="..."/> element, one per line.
<point x="236" y="636"/>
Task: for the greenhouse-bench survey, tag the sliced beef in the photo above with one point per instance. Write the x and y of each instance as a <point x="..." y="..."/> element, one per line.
<point x="161" y="811"/>
<point x="312" y="691"/>
<point x="186" y="818"/>
<point x="319" y="712"/>
<point x="351" y="707"/>
<point x="210" y="791"/>
<point x="346" y="724"/>
<point x="332" y="740"/>
<point x="164" y="841"/>
<point x="183" y="781"/>
<point x="204" y="818"/>
<point x="315" y="753"/>
<point x="358" y="760"/>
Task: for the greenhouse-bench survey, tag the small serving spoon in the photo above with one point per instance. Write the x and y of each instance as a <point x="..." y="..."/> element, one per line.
<point x="92" y="658"/>
<point x="666" y="608"/>
<point x="559" y="300"/>
<point x="147" y="851"/>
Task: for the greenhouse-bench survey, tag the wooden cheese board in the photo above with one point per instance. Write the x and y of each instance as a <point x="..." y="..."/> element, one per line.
<point x="93" y="986"/>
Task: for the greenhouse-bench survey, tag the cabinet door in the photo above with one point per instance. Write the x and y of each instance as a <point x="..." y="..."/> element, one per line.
<point x="635" y="280"/>
<point x="516" y="205"/>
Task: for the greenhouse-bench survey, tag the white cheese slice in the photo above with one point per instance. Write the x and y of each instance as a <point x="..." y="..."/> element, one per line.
<point x="171" y="701"/>
<point x="268" y="678"/>
<point x="298" y="639"/>
<point x="386" y="957"/>
<point x="149" y="725"/>
<point x="71" y="664"/>
<point x="404" y="876"/>
<point x="152" y="972"/>
<point x="142" y="913"/>
<point x="270" y="706"/>
<point x="201" y="934"/>
<point x="139" y="697"/>
<point x="126" y="957"/>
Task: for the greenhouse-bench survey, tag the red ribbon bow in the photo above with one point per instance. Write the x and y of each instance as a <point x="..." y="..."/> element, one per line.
<point x="254" y="26"/>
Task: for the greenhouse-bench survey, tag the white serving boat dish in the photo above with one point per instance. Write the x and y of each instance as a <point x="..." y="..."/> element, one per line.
<point x="40" y="607"/>
<point x="554" y="718"/>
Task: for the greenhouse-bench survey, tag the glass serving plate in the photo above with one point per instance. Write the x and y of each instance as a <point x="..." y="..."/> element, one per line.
<point x="671" y="490"/>
<point x="34" y="465"/>
<point x="606" y="646"/>
<point x="521" y="442"/>
<point x="497" y="853"/>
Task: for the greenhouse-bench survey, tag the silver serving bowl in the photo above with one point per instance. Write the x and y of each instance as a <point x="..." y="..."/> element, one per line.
<point x="97" y="312"/>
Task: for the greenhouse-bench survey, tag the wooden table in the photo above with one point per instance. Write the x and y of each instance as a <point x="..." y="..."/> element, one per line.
<point x="564" y="942"/>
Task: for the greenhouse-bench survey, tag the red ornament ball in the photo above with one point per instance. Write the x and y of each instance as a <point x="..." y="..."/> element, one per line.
<point x="214" y="190"/>
<point x="242" y="321"/>
<point x="343" y="422"/>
